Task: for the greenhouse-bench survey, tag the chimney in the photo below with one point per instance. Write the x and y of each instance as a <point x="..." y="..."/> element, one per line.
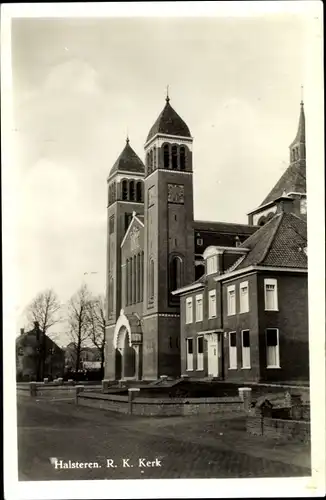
<point x="22" y="331"/>
<point x="36" y="325"/>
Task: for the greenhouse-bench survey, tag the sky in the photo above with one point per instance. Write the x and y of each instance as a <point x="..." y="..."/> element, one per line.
<point x="80" y="85"/>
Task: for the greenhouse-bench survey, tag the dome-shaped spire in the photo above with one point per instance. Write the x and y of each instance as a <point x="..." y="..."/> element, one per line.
<point x="128" y="161"/>
<point x="169" y="122"/>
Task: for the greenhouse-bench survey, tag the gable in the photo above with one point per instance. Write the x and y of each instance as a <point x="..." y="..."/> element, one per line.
<point x="133" y="241"/>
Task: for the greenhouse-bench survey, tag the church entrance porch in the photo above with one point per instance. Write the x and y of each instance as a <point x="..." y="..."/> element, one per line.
<point x="127" y="343"/>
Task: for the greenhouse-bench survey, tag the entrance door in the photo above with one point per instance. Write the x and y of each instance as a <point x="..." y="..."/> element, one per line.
<point x="213" y="355"/>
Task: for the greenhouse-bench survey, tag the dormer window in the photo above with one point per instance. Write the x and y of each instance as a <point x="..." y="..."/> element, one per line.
<point x="211" y="264"/>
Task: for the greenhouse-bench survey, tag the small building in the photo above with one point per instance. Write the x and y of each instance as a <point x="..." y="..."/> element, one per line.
<point x="88" y="355"/>
<point x="37" y="356"/>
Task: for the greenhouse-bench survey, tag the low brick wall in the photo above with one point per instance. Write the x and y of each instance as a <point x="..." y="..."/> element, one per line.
<point x="298" y="430"/>
<point x="160" y="407"/>
<point x="50" y="390"/>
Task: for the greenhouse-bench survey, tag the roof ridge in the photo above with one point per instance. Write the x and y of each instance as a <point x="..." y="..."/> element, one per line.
<point x="222" y="222"/>
<point x="268" y="247"/>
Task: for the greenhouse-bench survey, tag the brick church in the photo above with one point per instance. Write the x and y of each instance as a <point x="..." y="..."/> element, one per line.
<point x="203" y="298"/>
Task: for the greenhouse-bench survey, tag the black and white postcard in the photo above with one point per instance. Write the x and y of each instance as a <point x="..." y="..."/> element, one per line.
<point x="163" y="228"/>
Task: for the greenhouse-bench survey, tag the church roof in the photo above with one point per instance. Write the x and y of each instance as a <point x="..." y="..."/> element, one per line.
<point x="292" y="181"/>
<point x="223" y="227"/>
<point x="128" y="161"/>
<point x="279" y="243"/>
<point x="169" y="122"/>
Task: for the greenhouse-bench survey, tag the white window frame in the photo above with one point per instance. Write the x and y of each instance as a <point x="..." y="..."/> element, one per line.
<point x="200" y="356"/>
<point x="211" y="264"/>
<point x="244" y="307"/>
<point x="189" y="311"/>
<point x="233" y="353"/>
<point x="199" y="308"/>
<point x="189" y="356"/>
<point x="271" y="281"/>
<point x="277" y="350"/>
<point x="231" y="288"/>
<point x="246" y="359"/>
<point x="212" y="310"/>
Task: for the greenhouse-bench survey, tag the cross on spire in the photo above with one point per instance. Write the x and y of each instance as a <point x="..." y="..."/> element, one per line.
<point x="167" y="94"/>
<point x="301" y="95"/>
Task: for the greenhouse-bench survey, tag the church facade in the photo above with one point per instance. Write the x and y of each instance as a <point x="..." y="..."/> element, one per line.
<point x="159" y="256"/>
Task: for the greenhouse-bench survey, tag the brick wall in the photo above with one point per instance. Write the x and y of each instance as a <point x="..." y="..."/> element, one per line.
<point x="237" y="323"/>
<point x="155" y="407"/>
<point x="288" y="430"/>
<point x="292" y="321"/>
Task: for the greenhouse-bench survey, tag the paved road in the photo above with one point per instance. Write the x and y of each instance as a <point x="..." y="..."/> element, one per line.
<point x="63" y="431"/>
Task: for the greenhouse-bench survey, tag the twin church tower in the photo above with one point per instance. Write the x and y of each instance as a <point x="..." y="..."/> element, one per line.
<point x="150" y="251"/>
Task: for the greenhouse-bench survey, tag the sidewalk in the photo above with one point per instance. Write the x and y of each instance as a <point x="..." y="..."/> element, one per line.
<point x="227" y="432"/>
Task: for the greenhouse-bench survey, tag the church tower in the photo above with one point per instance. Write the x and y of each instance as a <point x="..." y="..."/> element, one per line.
<point x="168" y="239"/>
<point x="291" y="185"/>
<point x="125" y="195"/>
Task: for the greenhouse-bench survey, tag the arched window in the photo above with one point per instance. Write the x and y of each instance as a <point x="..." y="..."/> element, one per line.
<point x="174" y="157"/>
<point x="125" y="190"/>
<point x="182" y="158"/>
<point x="126" y="284"/>
<point x="139" y="191"/>
<point x="132" y="191"/>
<point x="261" y="221"/>
<point x="166" y="156"/>
<point x="154" y="158"/>
<point x="110" y="299"/>
<point x="148" y="163"/>
<point x="141" y="274"/>
<point x="134" y="280"/>
<point x="170" y="342"/>
<point x="175" y="273"/>
<point x="151" y="280"/>
<point x="151" y="160"/>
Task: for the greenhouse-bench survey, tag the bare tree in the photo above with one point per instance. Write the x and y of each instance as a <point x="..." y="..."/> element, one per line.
<point x="43" y="312"/>
<point x="96" y="319"/>
<point x="78" y="308"/>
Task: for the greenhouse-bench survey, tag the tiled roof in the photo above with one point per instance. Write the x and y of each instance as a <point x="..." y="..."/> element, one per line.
<point x="223" y="227"/>
<point x="279" y="243"/>
<point x="169" y="122"/>
<point x="293" y="180"/>
<point x="128" y="161"/>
